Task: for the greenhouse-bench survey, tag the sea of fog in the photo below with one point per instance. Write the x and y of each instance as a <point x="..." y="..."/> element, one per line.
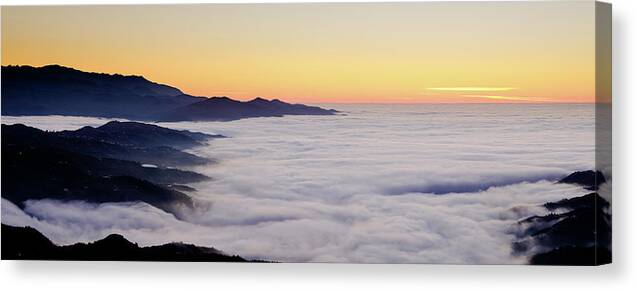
<point x="378" y="184"/>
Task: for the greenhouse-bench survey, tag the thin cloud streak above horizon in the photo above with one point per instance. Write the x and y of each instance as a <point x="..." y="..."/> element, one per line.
<point x="481" y="89"/>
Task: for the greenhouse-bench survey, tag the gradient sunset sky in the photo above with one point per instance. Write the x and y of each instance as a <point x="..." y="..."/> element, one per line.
<point x="320" y="53"/>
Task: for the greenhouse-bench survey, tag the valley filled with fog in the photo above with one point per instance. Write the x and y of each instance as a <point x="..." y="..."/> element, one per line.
<point x="377" y="184"/>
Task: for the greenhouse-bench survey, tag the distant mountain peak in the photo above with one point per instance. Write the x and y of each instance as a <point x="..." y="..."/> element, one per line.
<point x="57" y="67"/>
<point x="116" y="240"/>
<point x="259" y="99"/>
<point x="226" y="109"/>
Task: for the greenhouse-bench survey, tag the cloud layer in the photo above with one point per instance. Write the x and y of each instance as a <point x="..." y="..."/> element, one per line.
<point x="417" y="183"/>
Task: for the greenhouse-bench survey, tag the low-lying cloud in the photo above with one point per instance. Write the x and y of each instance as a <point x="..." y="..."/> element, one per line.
<point x="362" y="187"/>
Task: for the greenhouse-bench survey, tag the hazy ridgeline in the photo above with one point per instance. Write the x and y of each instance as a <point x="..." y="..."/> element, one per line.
<point x="381" y="183"/>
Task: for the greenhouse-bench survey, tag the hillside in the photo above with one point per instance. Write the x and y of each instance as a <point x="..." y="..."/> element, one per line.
<point x="58" y="90"/>
<point x="26" y="243"/>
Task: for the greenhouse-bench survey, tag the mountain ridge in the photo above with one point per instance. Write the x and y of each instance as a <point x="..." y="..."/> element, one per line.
<point x="576" y="231"/>
<point x="96" y="168"/>
<point x="227" y="109"/>
<point x="60" y="90"/>
<point x="27" y="243"/>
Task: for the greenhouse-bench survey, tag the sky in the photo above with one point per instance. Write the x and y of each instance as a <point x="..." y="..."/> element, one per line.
<point x="325" y="53"/>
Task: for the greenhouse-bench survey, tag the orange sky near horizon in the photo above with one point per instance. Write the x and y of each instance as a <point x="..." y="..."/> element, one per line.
<point x="434" y="52"/>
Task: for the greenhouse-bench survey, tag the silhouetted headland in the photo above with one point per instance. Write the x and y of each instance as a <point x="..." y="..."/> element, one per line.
<point x="58" y="90"/>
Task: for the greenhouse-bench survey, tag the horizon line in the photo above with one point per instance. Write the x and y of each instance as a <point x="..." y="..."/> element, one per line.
<point x="450" y="103"/>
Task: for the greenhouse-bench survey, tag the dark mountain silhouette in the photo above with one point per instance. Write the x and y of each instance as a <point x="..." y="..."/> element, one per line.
<point x="577" y="233"/>
<point x="38" y="165"/>
<point x="58" y="90"/>
<point x="26" y="243"/>
<point x="44" y="172"/>
<point x="226" y="109"/>
<point x="574" y="256"/>
<point x="143" y="143"/>
<point x="579" y="202"/>
<point x="140" y="135"/>
<point x="590" y="179"/>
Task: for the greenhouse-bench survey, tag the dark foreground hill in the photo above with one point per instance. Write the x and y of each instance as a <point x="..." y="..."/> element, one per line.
<point x="26" y="243"/>
<point x="137" y="134"/>
<point x="591" y="180"/>
<point x="58" y="90"/>
<point x="89" y="164"/>
<point x="143" y="143"/>
<point x="576" y="232"/>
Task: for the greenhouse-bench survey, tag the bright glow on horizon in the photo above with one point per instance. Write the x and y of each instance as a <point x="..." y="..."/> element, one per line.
<point x="471" y="89"/>
<point x="322" y="52"/>
<point x="513" y="98"/>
